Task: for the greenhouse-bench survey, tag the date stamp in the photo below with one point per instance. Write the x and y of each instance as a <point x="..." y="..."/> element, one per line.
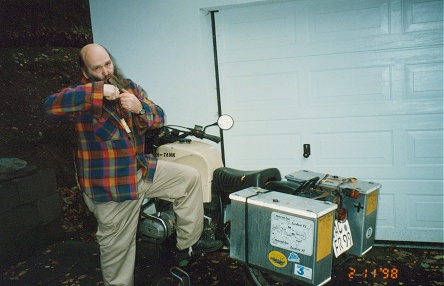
<point x="375" y="273"/>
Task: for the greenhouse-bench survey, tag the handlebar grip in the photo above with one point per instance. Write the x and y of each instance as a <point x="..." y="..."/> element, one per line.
<point x="202" y="135"/>
<point x="213" y="138"/>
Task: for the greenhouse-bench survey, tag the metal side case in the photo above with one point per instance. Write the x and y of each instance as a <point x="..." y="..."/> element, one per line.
<point x="286" y="235"/>
<point x="361" y="208"/>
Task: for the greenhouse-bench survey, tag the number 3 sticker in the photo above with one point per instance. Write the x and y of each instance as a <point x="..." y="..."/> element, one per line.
<point x="303" y="271"/>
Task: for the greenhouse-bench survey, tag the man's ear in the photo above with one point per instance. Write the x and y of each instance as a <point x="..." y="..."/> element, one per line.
<point x="85" y="74"/>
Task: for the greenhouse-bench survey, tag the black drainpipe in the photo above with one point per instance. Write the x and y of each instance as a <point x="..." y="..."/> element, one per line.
<point x="216" y="69"/>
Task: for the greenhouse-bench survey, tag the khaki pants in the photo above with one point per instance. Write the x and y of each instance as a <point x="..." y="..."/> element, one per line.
<point x="117" y="221"/>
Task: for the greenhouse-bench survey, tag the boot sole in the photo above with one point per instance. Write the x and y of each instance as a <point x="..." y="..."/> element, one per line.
<point x="208" y="250"/>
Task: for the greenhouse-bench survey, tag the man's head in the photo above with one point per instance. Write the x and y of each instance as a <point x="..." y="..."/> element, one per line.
<point x="97" y="63"/>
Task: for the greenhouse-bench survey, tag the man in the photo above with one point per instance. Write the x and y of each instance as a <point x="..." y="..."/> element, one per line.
<point x="114" y="173"/>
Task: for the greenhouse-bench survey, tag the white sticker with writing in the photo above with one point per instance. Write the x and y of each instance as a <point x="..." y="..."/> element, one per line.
<point x="292" y="233"/>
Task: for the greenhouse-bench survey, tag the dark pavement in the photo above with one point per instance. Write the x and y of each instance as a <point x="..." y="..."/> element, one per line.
<point x="76" y="262"/>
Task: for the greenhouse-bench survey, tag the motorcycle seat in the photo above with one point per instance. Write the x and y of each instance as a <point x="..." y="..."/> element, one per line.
<point x="228" y="180"/>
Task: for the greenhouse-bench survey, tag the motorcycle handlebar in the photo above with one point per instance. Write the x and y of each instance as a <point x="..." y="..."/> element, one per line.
<point x="202" y="135"/>
<point x="173" y="133"/>
<point x="213" y="138"/>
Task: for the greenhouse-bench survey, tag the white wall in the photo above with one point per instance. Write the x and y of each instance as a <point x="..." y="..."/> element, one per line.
<point x="166" y="47"/>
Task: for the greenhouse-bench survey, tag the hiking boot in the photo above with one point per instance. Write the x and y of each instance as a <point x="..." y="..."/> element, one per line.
<point x="205" y="246"/>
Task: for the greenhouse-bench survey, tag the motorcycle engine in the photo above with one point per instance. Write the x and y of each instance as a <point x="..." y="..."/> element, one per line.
<point x="155" y="228"/>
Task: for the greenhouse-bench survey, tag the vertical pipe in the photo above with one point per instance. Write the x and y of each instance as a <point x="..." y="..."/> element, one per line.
<point x="216" y="69"/>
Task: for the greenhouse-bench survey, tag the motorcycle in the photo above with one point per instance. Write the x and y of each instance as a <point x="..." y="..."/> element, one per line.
<point x="219" y="183"/>
<point x="173" y="143"/>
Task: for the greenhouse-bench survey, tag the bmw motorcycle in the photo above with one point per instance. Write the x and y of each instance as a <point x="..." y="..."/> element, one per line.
<point x="187" y="146"/>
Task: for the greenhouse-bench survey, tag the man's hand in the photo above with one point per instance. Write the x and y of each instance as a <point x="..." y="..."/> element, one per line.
<point x="130" y="102"/>
<point x="110" y="92"/>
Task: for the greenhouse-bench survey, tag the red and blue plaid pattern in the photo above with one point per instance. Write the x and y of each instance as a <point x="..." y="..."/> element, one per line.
<point x="107" y="157"/>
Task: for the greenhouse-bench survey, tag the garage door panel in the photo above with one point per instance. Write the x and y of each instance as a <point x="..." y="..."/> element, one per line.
<point x="340" y="146"/>
<point x="425" y="211"/>
<point x="339" y="85"/>
<point x="353" y="149"/>
<point x="255" y="90"/>
<point x="327" y="27"/>
<point x="377" y="77"/>
<point x="351" y="85"/>
<point x="422" y="15"/>
<point x="424" y="80"/>
<point x="424" y="148"/>
<point x="348" y="21"/>
<point x="416" y="206"/>
<point x="383" y="147"/>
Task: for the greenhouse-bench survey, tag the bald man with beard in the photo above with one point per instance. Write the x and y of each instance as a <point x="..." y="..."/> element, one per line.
<point x="115" y="174"/>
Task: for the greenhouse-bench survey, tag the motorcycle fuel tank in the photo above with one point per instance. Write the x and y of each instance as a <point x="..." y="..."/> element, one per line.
<point x="285" y="235"/>
<point x="203" y="157"/>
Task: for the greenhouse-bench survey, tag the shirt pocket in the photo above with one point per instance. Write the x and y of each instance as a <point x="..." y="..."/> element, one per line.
<point x="106" y="128"/>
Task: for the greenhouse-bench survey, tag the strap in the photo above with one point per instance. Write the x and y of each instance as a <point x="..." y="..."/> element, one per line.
<point x="246" y="222"/>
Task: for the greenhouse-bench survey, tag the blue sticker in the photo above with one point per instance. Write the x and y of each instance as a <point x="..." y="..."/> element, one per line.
<point x="293" y="257"/>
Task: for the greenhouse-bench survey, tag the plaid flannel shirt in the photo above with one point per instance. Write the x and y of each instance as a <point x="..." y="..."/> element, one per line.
<point x="107" y="157"/>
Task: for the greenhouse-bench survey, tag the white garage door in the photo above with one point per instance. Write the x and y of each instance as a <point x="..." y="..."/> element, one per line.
<point x="360" y="81"/>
